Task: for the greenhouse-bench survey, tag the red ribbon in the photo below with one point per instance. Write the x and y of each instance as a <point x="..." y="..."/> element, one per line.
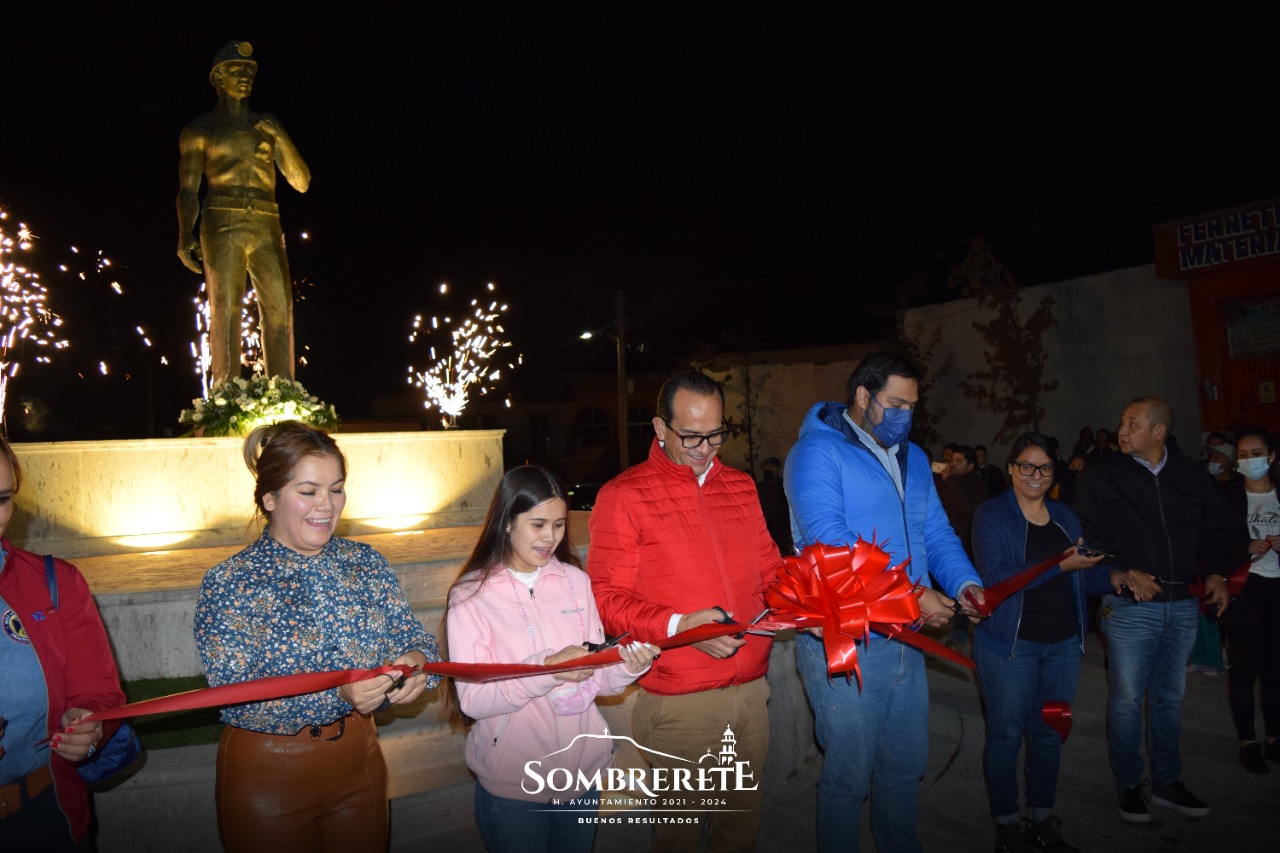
<point x="279" y="686"/>
<point x="1235" y="581"/>
<point x="849" y="592"/>
<point x="995" y="595"/>
<point x="1057" y="715"/>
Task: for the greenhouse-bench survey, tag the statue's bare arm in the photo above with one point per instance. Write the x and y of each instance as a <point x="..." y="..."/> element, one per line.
<point x="190" y="174"/>
<point x="292" y="166"/>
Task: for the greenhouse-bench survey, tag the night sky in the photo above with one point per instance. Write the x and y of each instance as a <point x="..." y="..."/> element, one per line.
<point x="738" y="179"/>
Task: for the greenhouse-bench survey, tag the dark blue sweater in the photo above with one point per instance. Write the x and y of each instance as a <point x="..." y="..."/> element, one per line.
<point x="999" y="546"/>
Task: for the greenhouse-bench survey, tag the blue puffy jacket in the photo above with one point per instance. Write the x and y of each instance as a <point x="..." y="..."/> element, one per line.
<point x="999" y="543"/>
<point x="838" y="490"/>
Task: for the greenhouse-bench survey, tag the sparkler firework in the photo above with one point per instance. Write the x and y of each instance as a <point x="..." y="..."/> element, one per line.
<point x="102" y="268"/>
<point x="466" y="360"/>
<point x="251" y="352"/>
<point x="250" y="343"/>
<point x="24" y="317"/>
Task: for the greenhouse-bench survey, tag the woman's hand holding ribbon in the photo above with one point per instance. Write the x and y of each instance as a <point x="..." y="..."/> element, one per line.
<point x="405" y="691"/>
<point x="78" y="740"/>
<point x="364" y="696"/>
<point x="566" y="654"/>
<point x="638" y="656"/>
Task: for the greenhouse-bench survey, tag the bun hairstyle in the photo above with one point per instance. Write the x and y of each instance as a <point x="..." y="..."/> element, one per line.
<point x="272" y="454"/>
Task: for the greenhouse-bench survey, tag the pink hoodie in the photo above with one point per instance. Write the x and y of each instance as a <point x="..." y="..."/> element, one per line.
<point x="515" y="720"/>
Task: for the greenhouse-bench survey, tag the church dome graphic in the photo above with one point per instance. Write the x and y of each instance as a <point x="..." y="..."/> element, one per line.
<point x="728" y="748"/>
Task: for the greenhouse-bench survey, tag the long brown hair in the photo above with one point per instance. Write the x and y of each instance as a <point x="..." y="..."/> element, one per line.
<point x="520" y="490"/>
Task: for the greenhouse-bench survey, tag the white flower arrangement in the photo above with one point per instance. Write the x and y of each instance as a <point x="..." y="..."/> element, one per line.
<point x="239" y="405"/>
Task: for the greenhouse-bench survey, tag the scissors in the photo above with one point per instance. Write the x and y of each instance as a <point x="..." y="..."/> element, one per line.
<point x="756" y="621"/>
<point x="609" y="642"/>
<point x="959" y="609"/>
<point x="748" y="630"/>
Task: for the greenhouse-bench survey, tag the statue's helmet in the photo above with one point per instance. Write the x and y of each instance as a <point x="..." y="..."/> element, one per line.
<point x="232" y="51"/>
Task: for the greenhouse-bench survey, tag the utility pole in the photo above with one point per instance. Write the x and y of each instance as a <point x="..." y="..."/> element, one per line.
<point x="620" y="323"/>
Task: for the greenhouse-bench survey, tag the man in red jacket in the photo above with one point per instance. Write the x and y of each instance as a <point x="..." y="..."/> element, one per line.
<point x="676" y="542"/>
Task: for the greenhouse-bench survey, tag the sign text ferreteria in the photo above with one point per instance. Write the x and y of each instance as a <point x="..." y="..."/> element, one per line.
<point x="1213" y="242"/>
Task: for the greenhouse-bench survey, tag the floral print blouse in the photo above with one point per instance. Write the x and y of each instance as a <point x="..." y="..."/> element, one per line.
<point x="272" y="611"/>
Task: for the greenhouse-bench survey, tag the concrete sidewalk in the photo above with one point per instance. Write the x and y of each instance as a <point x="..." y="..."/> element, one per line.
<point x="953" y="802"/>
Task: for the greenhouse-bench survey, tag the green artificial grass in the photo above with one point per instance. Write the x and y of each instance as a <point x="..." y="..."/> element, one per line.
<point x="179" y="728"/>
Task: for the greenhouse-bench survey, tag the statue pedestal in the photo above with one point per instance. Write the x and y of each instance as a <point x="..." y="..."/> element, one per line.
<point x="144" y="520"/>
<point x="90" y="498"/>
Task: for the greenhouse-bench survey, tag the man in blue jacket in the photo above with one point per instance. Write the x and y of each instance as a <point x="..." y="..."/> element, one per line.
<point x="853" y="473"/>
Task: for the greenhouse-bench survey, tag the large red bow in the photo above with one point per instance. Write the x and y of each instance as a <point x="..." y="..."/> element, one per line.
<point x="849" y="591"/>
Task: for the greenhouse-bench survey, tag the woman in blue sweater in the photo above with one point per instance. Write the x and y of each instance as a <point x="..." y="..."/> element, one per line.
<point x="1028" y="651"/>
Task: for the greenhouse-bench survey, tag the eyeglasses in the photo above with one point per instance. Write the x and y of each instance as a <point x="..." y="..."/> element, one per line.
<point x="692" y="440"/>
<point x="1026" y="469"/>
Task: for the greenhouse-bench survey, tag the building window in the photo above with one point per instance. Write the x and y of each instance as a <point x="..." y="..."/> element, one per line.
<point x="593" y="428"/>
<point x="639" y="432"/>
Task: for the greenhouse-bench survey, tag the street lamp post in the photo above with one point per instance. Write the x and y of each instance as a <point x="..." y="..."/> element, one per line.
<point x="620" y="326"/>
<point x="620" y="320"/>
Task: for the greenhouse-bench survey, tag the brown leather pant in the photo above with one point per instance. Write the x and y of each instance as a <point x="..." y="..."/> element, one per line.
<point x="301" y="794"/>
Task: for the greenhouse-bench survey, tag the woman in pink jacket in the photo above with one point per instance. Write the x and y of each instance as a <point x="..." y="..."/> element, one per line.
<point x="522" y="597"/>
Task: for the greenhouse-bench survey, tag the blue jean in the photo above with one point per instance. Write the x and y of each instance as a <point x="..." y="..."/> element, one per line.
<point x="1147" y="646"/>
<point x="875" y="742"/>
<point x="520" y="826"/>
<point x="1014" y="690"/>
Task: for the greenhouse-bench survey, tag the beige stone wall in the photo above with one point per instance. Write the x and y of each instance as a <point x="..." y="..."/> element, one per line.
<point x="82" y="498"/>
<point x="1119" y="334"/>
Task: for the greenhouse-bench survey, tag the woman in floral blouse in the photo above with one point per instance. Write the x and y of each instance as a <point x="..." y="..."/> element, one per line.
<point x="305" y="772"/>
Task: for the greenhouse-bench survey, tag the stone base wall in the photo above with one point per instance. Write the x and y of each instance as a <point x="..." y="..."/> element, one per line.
<point x="83" y="498"/>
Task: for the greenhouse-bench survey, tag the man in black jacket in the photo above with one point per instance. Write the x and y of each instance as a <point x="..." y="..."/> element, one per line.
<point x="1156" y="510"/>
<point x="989" y="474"/>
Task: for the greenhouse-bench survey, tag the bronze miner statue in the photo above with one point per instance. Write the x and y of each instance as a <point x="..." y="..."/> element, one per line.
<point x="237" y="152"/>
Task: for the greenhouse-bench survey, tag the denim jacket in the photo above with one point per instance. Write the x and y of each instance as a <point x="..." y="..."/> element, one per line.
<point x="999" y="543"/>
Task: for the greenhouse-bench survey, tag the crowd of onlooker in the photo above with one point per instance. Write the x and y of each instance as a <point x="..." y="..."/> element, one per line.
<point x="1240" y="462"/>
<point x="1236" y="522"/>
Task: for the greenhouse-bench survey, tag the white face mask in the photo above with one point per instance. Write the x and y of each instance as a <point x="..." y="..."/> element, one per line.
<point x="1255" y="468"/>
<point x="1215" y="469"/>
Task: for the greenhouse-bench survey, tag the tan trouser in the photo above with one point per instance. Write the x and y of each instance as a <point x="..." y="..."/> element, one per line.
<point x="690" y="726"/>
<point x="286" y="793"/>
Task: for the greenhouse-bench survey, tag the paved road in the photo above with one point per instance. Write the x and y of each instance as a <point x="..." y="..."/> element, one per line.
<point x="954" y="814"/>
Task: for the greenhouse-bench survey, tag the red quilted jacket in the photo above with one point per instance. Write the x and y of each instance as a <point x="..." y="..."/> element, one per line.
<point x="661" y="545"/>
